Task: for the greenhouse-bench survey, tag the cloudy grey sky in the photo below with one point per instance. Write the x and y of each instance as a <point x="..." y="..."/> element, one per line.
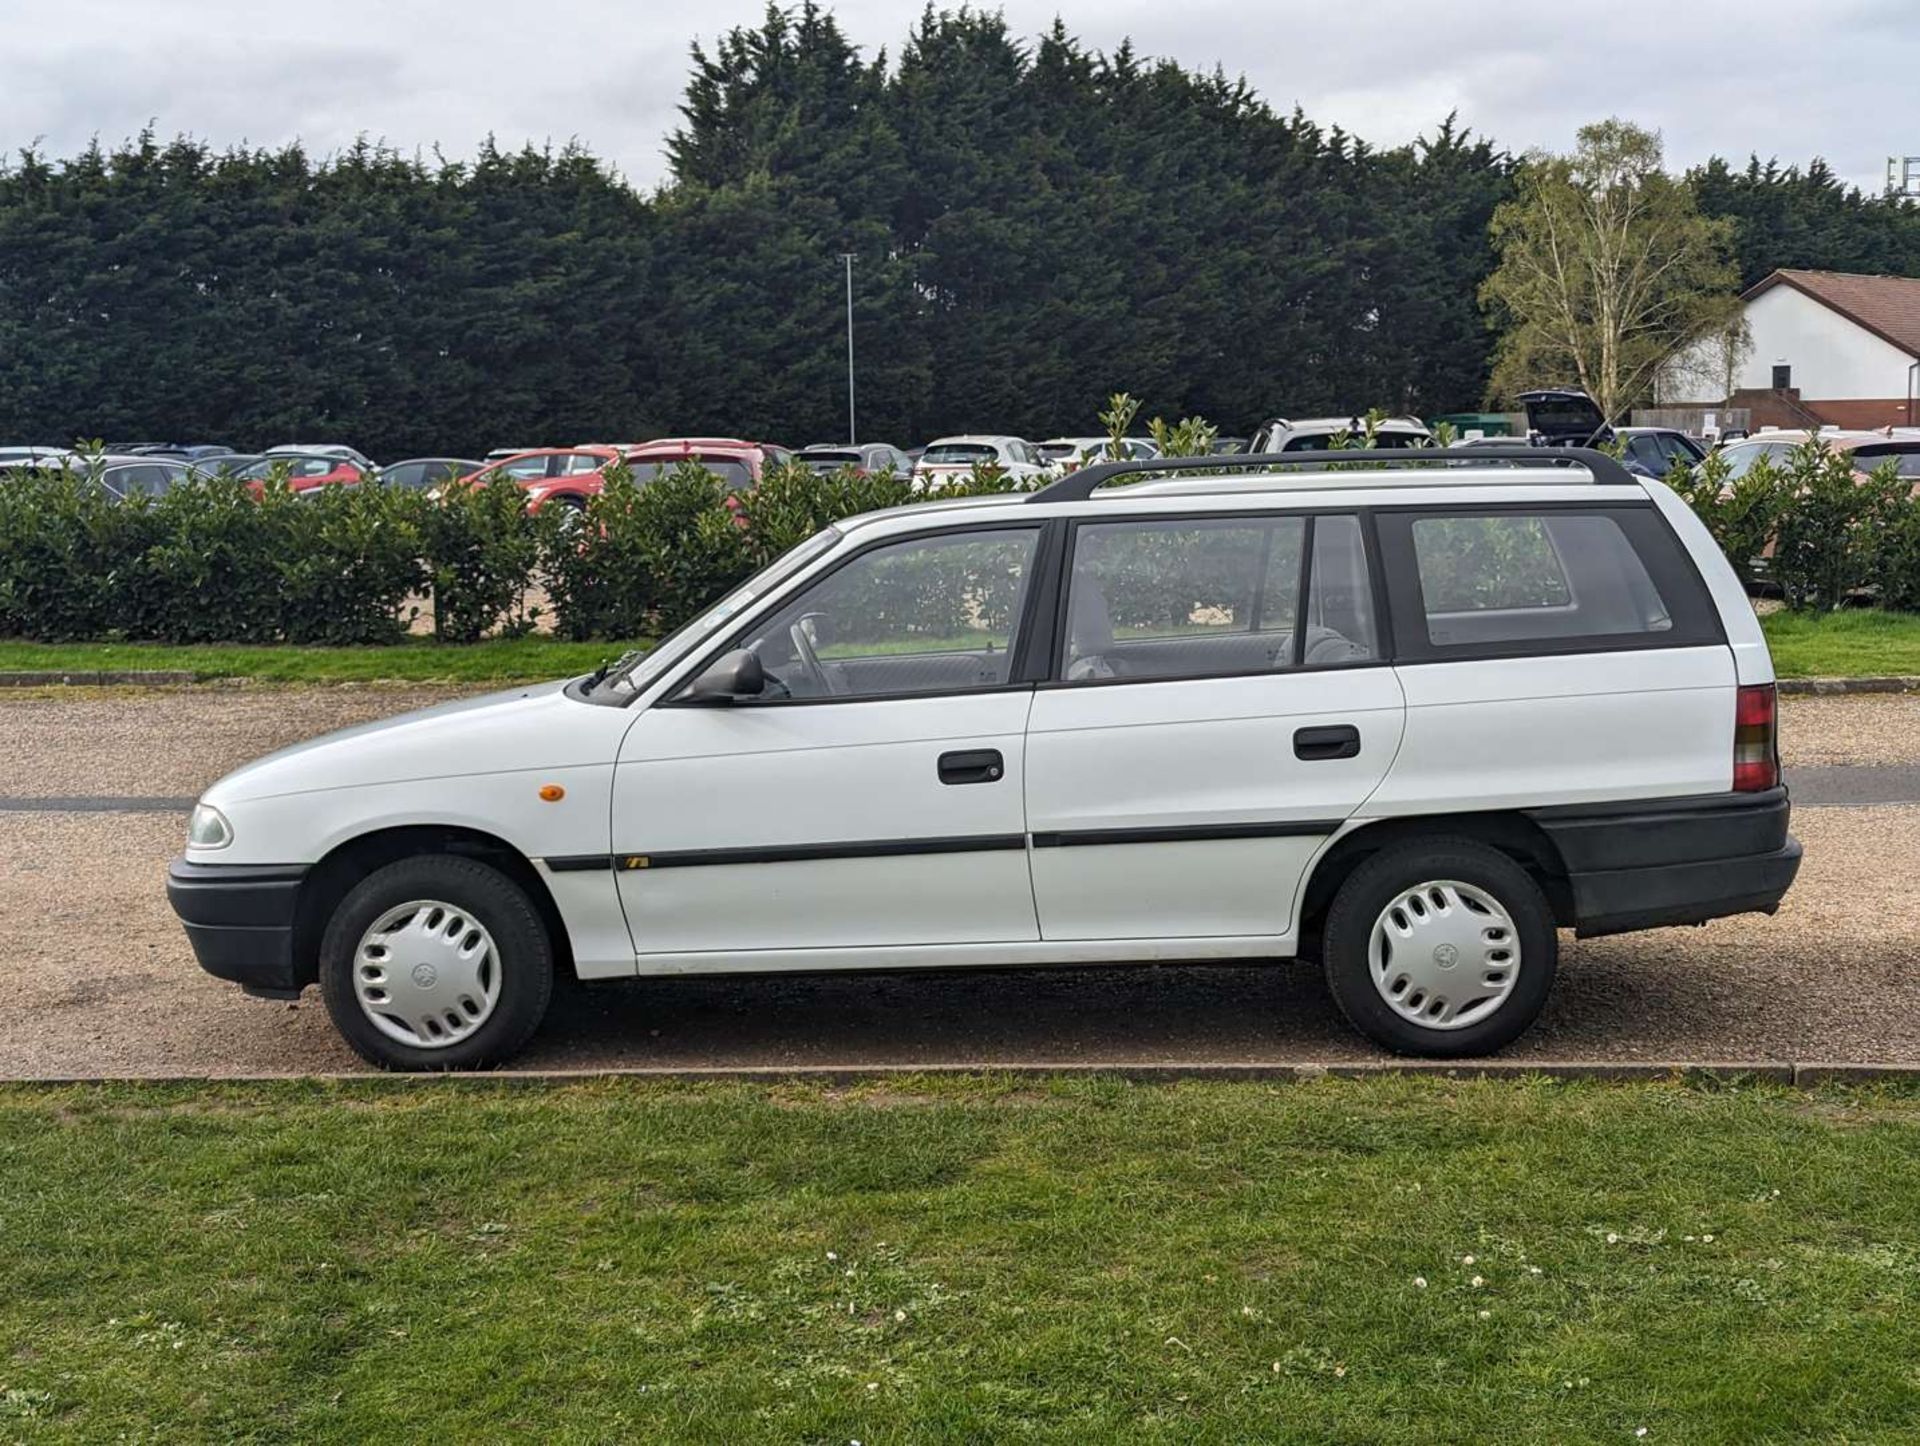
<point x="1834" y="78"/>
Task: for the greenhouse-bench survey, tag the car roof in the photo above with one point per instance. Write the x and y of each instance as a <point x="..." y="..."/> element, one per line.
<point x="973" y="437"/>
<point x="1357" y="424"/>
<point x="1475" y="481"/>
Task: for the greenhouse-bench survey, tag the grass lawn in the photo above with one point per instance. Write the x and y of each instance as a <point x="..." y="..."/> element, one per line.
<point x="959" y="1260"/>
<point x="1860" y="643"/>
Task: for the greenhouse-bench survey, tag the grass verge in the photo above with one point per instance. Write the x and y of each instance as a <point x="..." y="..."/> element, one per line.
<point x="1859" y="643"/>
<point x="1391" y="1260"/>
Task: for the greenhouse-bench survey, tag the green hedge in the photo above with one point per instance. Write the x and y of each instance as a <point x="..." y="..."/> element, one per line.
<point x="209" y="562"/>
<point x="1808" y="524"/>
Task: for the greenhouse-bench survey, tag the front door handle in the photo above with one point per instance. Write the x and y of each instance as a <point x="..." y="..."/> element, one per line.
<point x="1337" y="740"/>
<point x="974" y="765"/>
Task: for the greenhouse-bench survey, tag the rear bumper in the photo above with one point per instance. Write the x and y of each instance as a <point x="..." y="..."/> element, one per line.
<point x="1655" y="862"/>
<point x="239" y="919"/>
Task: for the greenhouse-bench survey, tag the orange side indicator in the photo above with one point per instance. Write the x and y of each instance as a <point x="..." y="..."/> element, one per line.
<point x="552" y="792"/>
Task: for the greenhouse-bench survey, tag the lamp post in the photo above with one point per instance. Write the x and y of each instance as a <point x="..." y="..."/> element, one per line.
<point x="853" y="436"/>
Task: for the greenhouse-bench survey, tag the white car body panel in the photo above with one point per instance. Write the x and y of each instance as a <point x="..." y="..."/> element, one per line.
<point x="1194" y="753"/>
<point x="820" y="773"/>
<point x="1538" y="731"/>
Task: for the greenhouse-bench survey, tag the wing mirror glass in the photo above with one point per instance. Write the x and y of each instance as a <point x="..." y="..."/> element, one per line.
<point x="729" y="678"/>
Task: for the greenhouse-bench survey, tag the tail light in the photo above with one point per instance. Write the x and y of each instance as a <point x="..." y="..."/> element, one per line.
<point x="1756" y="739"/>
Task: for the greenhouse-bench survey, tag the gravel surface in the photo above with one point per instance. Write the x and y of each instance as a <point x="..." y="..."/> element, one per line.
<point x="99" y="981"/>
<point x="1852" y="729"/>
<point x="177" y="740"/>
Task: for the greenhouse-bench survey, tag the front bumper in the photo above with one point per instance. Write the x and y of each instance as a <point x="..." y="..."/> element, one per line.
<point x="1655" y="862"/>
<point x="239" y="919"/>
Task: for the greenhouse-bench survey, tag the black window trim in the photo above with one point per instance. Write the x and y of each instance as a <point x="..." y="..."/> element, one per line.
<point x="1383" y="651"/>
<point x="1046" y="532"/>
<point x="1675" y="577"/>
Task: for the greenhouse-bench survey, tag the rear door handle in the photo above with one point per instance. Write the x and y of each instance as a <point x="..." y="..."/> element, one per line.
<point x="974" y="765"/>
<point x="1337" y="740"/>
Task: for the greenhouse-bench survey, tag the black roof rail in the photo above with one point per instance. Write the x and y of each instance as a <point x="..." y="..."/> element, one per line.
<point x="1079" y="486"/>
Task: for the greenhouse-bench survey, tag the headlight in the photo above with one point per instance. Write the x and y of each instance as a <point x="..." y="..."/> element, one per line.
<point x="208" y="829"/>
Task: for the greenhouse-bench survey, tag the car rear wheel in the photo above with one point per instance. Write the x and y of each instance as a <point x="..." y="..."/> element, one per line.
<point x="436" y="962"/>
<point x="1441" y="948"/>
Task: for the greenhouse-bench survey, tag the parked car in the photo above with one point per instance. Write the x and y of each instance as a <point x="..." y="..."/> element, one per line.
<point x="323" y="449"/>
<point x="303" y="471"/>
<point x="184" y="451"/>
<point x="866" y="457"/>
<point x="1564" y="417"/>
<point x="954" y="458"/>
<point x="1316" y="434"/>
<point x="737" y="462"/>
<point x="146" y="476"/>
<point x="1227" y="446"/>
<point x="418" y="474"/>
<point x="1867" y="451"/>
<point x="1068" y="453"/>
<point x="1659" y="449"/>
<point x="557" y="476"/>
<point x="26" y="457"/>
<point x="943" y="736"/>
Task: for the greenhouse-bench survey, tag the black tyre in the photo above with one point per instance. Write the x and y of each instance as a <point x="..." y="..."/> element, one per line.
<point x="436" y="962"/>
<point x="1441" y="947"/>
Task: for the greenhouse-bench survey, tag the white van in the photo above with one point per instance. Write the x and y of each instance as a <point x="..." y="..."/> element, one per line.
<point x="1407" y="722"/>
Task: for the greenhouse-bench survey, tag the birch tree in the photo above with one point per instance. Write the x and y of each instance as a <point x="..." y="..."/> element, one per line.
<point x="1606" y="270"/>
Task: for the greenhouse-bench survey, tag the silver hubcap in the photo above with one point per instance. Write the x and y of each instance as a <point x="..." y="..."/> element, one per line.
<point x="1444" y="955"/>
<point x="427" y="974"/>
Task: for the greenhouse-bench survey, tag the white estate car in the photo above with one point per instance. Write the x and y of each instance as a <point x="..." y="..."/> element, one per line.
<point x="1403" y="721"/>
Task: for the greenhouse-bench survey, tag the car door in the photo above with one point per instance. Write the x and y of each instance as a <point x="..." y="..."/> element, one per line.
<point x="870" y="797"/>
<point x="1218" y="708"/>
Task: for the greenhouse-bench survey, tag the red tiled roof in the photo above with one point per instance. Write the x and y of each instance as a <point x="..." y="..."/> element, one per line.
<point x="1887" y="306"/>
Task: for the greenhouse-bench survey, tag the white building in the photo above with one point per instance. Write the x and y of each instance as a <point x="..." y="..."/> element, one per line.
<point x="1828" y="348"/>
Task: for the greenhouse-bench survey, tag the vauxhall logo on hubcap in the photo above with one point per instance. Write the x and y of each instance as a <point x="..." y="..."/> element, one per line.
<point x="1446" y="956"/>
<point x="424" y="975"/>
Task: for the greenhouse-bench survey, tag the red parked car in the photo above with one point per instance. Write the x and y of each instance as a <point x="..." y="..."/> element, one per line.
<point x="736" y="462"/>
<point x="305" y="471"/>
<point x="568" y="476"/>
<point x="563" y="476"/>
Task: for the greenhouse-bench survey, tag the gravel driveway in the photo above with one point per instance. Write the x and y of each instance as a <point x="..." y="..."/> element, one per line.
<point x="100" y="981"/>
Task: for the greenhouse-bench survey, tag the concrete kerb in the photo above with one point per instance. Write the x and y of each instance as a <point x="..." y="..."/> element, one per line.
<point x="1839" y="687"/>
<point x="1807" y="1074"/>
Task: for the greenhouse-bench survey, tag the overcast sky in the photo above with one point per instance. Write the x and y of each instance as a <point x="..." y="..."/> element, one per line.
<point x="1834" y="78"/>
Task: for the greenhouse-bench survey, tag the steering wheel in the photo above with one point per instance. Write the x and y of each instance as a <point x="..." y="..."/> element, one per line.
<point x="809" y="659"/>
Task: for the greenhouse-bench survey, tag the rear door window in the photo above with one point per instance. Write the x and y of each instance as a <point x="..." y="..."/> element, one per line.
<point x="1199" y="598"/>
<point x="1555" y="580"/>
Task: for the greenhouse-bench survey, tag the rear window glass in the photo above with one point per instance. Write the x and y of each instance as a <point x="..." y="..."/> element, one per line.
<point x="1906" y="460"/>
<point x="730" y="470"/>
<point x="963" y="454"/>
<point x="1512" y="578"/>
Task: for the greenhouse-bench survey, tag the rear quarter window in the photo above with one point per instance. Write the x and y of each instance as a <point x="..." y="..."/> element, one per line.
<point x="1506" y="582"/>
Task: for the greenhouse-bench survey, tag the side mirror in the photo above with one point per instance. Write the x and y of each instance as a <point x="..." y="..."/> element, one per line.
<point x="727" y="679"/>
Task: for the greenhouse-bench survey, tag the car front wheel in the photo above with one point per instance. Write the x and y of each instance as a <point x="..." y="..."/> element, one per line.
<point x="1442" y="948"/>
<point x="436" y="962"/>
